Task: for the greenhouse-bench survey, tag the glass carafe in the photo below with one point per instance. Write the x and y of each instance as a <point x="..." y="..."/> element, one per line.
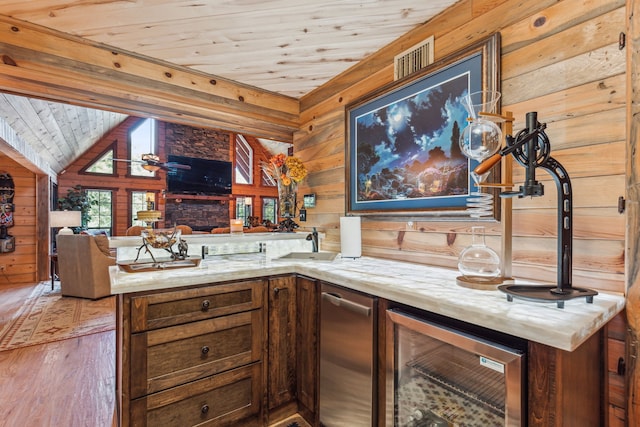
<point x="481" y="138"/>
<point x="478" y="262"/>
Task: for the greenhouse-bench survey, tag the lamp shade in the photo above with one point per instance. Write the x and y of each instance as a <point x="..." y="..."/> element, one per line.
<point x="64" y="219"/>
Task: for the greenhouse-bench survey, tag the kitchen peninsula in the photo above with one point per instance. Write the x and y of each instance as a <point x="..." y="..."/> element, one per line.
<point x="558" y="338"/>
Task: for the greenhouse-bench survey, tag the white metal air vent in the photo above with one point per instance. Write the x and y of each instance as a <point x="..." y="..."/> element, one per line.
<point x="413" y="59"/>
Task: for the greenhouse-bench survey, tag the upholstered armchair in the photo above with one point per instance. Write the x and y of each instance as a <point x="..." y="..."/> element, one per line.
<point x="184" y="229"/>
<point x="135" y="230"/>
<point x="83" y="265"/>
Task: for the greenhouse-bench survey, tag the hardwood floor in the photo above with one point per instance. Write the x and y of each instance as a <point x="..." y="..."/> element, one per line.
<point x="64" y="383"/>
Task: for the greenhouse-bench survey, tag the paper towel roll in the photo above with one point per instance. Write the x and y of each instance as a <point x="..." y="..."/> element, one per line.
<point x="350" y="237"/>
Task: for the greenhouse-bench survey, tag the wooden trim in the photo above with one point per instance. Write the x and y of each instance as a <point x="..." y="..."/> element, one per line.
<point x="633" y="213"/>
<point x="43" y="232"/>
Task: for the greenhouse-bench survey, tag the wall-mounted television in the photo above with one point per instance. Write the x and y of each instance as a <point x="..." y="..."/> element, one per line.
<point x="208" y="177"/>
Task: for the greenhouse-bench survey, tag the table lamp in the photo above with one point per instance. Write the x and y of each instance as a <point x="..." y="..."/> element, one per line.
<point x="236" y="226"/>
<point x="64" y="220"/>
<point x="149" y="217"/>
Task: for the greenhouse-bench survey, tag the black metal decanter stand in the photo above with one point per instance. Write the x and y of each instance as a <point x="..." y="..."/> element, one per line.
<point x="531" y="149"/>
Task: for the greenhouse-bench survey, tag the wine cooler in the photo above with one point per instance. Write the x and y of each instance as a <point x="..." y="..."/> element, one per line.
<point x="444" y="376"/>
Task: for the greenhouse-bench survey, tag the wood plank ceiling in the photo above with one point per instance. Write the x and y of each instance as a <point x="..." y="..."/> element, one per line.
<point x="286" y="46"/>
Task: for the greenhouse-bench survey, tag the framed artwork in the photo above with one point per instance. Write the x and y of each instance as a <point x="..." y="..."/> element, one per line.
<point x="310" y="200"/>
<point x="402" y="151"/>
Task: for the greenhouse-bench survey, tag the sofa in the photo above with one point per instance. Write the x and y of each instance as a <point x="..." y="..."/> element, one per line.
<point x="83" y="265"/>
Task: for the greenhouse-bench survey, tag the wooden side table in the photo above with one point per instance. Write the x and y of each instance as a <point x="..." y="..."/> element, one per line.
<point x="53" y="268"/>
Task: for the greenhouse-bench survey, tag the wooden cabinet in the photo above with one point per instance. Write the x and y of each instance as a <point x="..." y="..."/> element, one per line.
<point x="192" y="356"/>
<point x="175" y="355"/>
<point x="565" y="388"/>
<point x="242" y="353"/>
<point x="282" y="343"/>
<point x="230" y="398"/>
<point x="293" y="348"/>
<point x="616" y="366"/>
<point x="157" y="310"/>
<point x="307" y="334"/>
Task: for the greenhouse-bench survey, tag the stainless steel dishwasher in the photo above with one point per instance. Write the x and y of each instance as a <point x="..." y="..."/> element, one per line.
<point x="347" y="365"/>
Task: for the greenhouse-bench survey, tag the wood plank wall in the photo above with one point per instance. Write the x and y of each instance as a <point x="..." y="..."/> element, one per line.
<point x="121" y="183"/>
<point x="172" y="139"/>
<point x="21" y="265"/>
<point x="559" y="58"/>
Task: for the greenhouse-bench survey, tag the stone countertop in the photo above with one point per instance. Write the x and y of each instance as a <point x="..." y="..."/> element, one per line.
<point x="432" y="289"/>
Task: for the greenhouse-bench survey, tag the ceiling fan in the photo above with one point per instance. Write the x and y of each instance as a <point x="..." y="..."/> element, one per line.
<point x="152" y="163"/>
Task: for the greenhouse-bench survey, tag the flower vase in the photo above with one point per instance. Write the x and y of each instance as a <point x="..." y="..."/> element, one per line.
<point x="287" y="194"/>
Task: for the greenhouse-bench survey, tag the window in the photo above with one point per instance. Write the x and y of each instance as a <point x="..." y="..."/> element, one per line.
<point x="268" y="180"/>
<point x="100" y="211"/>
<point x="269" y="209"/>
<point x="103" y="165"/>
<point x="243" y="209"/>
<point x="244" y="161"/>
<point x="138" y="202"/>
<point x="142" y="140"/>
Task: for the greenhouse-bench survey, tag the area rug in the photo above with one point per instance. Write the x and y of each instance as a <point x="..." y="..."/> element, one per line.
<point x="46" y="316"/>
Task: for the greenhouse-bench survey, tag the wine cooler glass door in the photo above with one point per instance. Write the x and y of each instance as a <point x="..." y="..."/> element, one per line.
<point x="441" y="377"/>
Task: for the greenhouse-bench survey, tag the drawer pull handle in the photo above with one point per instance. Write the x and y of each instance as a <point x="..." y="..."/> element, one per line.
<point x="276" y="290"/>
<point x="205" y="305"/>
<point x="621" y="366"/>
<point x="204" y="409"/>
<point x="204" y="350"/>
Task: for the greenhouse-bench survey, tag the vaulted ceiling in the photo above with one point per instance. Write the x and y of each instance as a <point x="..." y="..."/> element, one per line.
<point x="286" y="46"/>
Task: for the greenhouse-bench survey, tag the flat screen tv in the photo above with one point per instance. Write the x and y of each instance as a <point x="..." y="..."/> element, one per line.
<point x="208" y="177"/>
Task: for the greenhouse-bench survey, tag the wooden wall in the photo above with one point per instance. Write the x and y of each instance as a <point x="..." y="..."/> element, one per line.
<point x="21" y="265"/>
<point x="256" y="191"/>
<point x="120" y="183"/>
<point x="559" y="58"/>
<point x="177" y="139"/>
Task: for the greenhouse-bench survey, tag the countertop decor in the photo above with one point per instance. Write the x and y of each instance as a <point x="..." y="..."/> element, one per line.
<point x="287" y="172"/>
<point x="424" y="287"/>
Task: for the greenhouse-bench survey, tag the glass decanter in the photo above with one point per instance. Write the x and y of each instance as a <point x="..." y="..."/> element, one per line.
<point x="481" y="138"/>
<point x="478" y="262"/>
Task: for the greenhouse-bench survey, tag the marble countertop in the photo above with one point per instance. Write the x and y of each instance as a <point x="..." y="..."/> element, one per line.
<point x="432" y="289"/>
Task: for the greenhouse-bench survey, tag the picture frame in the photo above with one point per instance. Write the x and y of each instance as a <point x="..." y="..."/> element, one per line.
<point x="309" y="200"/>
<point x="402" y="153"/>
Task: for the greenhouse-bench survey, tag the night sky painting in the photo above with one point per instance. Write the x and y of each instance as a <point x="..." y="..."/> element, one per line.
<point x="405" y="145"/>
<point x="410" y="148"/>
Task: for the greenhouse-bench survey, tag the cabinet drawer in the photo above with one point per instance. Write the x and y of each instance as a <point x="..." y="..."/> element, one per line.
<point x="168" y="357"/>
<point x="230" y="398"/>
<point x="189" y="305"/>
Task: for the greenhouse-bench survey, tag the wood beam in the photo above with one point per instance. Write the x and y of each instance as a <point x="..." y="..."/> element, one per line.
<point x="39" y="62"/>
